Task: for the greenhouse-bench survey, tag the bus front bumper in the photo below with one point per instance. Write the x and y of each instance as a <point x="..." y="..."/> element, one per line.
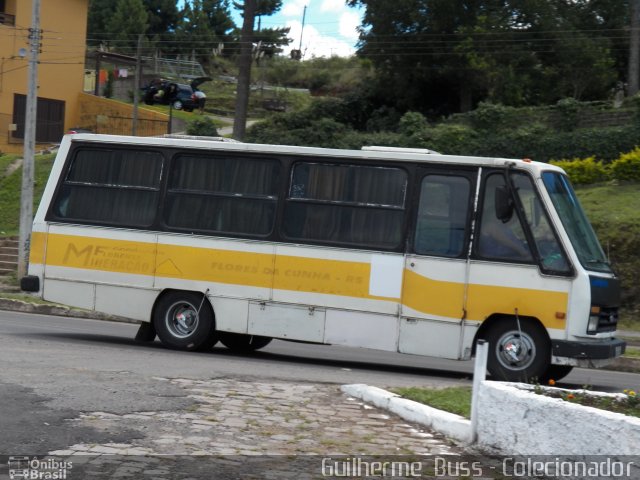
<point x="586" y="354"/>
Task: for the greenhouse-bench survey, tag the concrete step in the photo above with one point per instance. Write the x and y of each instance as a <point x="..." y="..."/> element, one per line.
<point x="8" y="266"/>
<point x="9" y="250"/>
<point x="13" y="241"/>
<point x="8" y="257"/>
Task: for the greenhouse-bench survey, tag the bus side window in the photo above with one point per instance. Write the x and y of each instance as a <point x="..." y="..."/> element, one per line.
<point x="357" y="205"/>
<point x="114" y="187"/>
<point x="501" y="239"/>
<point x="223" y="194"/>
<point x="442" y="215"/>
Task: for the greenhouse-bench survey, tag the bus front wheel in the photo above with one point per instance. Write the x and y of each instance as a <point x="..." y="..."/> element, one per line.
<point x="184" y="321"/>
<point x="518" y="353"/>
<point x="239" y="342"/>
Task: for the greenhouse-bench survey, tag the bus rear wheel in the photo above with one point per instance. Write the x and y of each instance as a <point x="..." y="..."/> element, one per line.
<point x="239" y="342"/>
<point x="184" y="321"/>
<point x="518" y="354"/>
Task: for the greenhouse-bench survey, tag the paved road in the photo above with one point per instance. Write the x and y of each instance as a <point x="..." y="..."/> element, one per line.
<point x="76" y="388"/>
<point x="74" y="385"/>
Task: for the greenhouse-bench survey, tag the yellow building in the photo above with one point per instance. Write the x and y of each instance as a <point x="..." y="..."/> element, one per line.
<point x="60" y="70"/>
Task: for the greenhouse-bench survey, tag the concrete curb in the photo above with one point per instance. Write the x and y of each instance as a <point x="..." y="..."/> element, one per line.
<point x="15" y="305"/>
<point x="449" y="424"/>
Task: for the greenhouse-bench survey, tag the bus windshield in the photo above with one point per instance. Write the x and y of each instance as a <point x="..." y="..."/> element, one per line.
<point x="580" y="232"/>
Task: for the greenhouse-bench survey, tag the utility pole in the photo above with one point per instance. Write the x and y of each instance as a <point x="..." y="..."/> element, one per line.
<point x="26" y="198"/>
<point x="136" y="87"/>
<point x="304" y="15"/>
<point x="634" y="50"/>
<point x="244" y="70"/>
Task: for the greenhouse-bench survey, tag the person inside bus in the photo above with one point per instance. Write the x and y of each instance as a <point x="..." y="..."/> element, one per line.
<point x="503" y="240"/>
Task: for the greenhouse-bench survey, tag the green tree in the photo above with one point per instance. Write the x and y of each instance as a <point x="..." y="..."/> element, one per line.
<point x="128" y="20"/>
<point x="204" y="24"/>
<point x="163" y="17"/>
<point x="440" y="56"/>
<point x="99" y="13"/>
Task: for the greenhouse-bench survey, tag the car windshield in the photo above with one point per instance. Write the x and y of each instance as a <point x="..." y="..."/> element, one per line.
<point x="575" y="222"/>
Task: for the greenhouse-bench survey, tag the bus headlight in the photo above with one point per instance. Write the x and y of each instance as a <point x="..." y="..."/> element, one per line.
<point x="592" y="327"/>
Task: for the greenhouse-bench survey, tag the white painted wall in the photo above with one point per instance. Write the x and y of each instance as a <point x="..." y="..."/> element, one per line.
<point x="514" y="421"/>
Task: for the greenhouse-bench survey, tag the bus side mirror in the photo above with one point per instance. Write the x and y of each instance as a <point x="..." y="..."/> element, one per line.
<point x="503" y="204"/>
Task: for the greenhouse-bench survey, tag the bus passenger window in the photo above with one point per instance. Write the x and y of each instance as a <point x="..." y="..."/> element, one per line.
<point x="115" y="187"/>
<point x="442" y="216"/>
<point x="346" y="204"/>
<point x="218" y="194"/>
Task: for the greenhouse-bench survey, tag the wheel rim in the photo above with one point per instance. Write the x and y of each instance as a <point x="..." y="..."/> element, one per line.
<point x="177" y="105"/>
<point x="182" y="319"/>
<point x="515" y="350"/>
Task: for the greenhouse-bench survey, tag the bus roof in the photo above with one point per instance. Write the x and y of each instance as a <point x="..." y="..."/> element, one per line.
<point x="367" y="153"/>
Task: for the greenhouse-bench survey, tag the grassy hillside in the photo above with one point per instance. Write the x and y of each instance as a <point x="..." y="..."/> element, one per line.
<point x="614" y="211"/>
<point x="10" y="187"/>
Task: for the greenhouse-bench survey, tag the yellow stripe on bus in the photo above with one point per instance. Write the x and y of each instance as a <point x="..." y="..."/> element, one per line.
<point x="299" y="274"/>
<point x="485" y="300"/>
<point x="445" y="299"/>
<point x="37" y="247"/>
<point x="432" y="296"/>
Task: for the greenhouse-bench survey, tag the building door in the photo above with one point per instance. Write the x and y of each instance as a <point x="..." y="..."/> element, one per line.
<point x="50" y="118"/>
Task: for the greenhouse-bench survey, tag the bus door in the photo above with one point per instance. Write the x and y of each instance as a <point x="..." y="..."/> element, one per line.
<point x="519" y="267"/>
<point x="436" y="265"/>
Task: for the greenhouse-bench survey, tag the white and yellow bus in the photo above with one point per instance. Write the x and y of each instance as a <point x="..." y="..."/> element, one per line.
<point x="393" y="249"/>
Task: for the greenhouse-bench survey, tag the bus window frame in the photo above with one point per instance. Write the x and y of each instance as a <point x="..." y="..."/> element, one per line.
<point x="408" y="168"/>
<point x="423" y="171"/>
<point x="74" y="150"/>
<point x="287" y="162"/>
<point x="524" y="224"/>
<point x="176" y="152"/>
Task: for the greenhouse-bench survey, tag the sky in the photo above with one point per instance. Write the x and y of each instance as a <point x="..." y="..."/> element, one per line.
<point x="329" y="29"/>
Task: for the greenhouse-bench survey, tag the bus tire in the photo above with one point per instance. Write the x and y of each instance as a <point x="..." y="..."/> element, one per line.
<point x="239" y="342"/>
<point x="180" y="326"/>
<point x="518" y="355"/>
<point x="557" y="372"/>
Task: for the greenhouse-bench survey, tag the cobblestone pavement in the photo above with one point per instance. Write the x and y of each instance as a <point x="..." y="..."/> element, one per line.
<point x="235" y="421"/>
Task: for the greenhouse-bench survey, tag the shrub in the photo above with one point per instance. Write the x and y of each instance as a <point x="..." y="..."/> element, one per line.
<point x="450" y="139"/>
<point x="202" y="126"/>
<point x="583" y="171"/>
<point x="490" y="116"/>
<point x="627" y="167"/>
<point x="412" y="123"/>
<point x="568" y="110"/>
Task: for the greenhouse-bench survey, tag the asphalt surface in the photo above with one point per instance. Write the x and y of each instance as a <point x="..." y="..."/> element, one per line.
<point x="55" y="367"/>
<point x="84" y="389"/>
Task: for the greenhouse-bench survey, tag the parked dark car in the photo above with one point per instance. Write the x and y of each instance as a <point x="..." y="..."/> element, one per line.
<point x="181" y="96"/>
